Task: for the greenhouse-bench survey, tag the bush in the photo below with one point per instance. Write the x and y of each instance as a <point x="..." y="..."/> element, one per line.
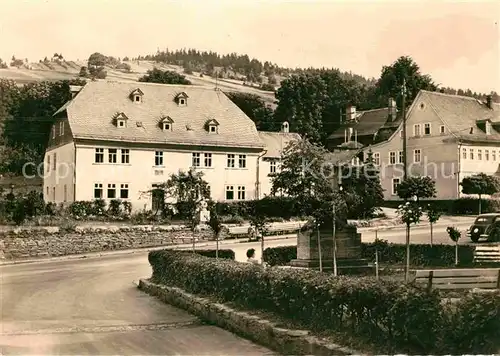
<point x="391" y="254"/>
<point x="399" y="317"/>
<point x="224" y="254"/>
<point x="232" y="219"/>
<point x="462" y="206"/>
<point x="270" y="206"/>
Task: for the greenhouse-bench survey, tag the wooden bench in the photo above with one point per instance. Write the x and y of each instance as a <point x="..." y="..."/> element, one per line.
<point x="477" y="278"/>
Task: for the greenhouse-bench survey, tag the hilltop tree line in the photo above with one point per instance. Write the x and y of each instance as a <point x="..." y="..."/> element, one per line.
<point x="312" y="101"/>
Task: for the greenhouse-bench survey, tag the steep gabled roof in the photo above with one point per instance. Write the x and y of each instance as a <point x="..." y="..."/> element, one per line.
<point x="461" y="113"/>
<point x="89" y="112"/>
<point x="275" y="142"/>
<point x="367" y="122"/>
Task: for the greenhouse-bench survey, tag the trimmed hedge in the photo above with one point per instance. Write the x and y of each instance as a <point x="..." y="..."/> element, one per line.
<point x="395" y="254"/>
<point x="402" y="318"/>
<point x="462" y="206"/>
<point x="224" y="254"/>
<point x="271" y="207"/>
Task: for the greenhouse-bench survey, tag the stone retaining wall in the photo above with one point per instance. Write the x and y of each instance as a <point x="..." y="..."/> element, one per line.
<point x="52" y="242"/>
<point x="264" y="332"/>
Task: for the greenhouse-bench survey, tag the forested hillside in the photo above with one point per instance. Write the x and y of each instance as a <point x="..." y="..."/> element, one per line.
<point x="312" y="100"/>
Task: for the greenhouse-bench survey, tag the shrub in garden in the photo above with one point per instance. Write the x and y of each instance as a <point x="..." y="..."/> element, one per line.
<point x="225" y="254"/>
<point x="402" y="318"/>
<point x="392" y="254"/>
<point x="115" y="207"/>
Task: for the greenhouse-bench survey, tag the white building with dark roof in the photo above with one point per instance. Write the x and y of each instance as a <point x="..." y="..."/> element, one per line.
<point x="117" y="140"/>
<point x="450" y="137"/>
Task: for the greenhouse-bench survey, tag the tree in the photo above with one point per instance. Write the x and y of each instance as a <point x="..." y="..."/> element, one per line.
<point x="455" y="236"/>
<point x="312" y="102"/>
<point x="83" y="72"/>
<point x="3" y="65"/>
<point x="419" y="187"/>
<point x="164" y="77"/>
<point x="362" y="189"/>
<point x="433" y="216"/>
<point x="256" y="109"/>
<point x="403" y="70"/>
<point x="260" y="223"/>
<point x="410" y="213"/>
<point x="480" y="184"/>
<point x="183" y="191"/>
<point x="216" y="227"/>
<point x="97" y="60"/>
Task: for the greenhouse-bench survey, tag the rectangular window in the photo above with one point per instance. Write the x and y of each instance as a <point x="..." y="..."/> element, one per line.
<point x="272" y="167"/>
<point x="53" y="131"/>
<point x="65" y="193"/>
<point x="392" y="157"/>
<point x="55" y="161"/>
<point x="441" y="129"/>
<point x="241" y="193"/>
<point x="395" y="183"/>
<point x="427" y="129"/>
<point x="400" y="157"/>
<point x="242" y="161"/>
<point x="47" y="168"/>
<point x="416" y="130"/>
<point x="493" y="155"/>
<point x="158" y="158"/>
<point x="196" y="161"/>
<point x="123" y="191"/>
<point x="229" y="192"/>
<point x="479" y="154"/>
<point x="47" y="192"/>
<point x="61" y="128"/>
<point x="471" y="153"/>
<point x="230" y="161"/>
<point x="98" y="191"/>
<point x="417" y="156"/>
<point x="376" y="158"/>
<point x="99" y="155"/>
<point x="54" y="194"/>
<point x="464" y="153"/>
<point x="208" y="159"/>
<point x="487" y="155"/>
<point x="111" y="191"/>
<point x="126" y="156"/>
<point x="112" y="153"/>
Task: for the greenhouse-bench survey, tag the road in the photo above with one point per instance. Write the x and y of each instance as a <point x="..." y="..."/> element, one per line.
<point x="92" y="307"/>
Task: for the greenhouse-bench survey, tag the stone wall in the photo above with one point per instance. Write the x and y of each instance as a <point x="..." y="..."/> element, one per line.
<point x="51" y="242"/>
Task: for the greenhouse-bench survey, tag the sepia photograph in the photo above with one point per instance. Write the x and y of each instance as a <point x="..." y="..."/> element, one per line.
<point x="249" y="177"/>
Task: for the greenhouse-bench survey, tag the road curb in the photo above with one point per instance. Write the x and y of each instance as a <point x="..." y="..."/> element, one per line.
<point x="264" y="332"/>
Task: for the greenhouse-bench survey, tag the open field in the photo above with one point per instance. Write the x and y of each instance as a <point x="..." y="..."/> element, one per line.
<point x="70" y="69"/>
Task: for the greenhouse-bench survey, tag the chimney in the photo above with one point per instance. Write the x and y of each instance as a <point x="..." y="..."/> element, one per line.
<point x="489" y="101"/>
<point x="285" y="127"/>
<point x="392" y="110"/>
<point x="351" y="112"/>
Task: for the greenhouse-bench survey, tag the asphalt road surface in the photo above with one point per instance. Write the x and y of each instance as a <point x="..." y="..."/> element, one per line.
<point x="92" y="307"/>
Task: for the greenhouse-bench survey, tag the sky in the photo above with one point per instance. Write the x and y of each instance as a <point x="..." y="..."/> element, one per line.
<point x="456" y="42"/>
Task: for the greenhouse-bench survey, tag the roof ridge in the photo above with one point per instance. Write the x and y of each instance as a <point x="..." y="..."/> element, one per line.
<point x="363" y="111"/>
<point x="451" y="95"/>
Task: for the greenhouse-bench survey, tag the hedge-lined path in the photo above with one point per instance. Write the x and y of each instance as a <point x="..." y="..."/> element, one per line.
<point x="92" y="307"/>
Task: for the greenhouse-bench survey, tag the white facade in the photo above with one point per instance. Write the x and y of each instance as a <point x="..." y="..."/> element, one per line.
<point x="59" y="174"/>
<point x="115" y="172"/>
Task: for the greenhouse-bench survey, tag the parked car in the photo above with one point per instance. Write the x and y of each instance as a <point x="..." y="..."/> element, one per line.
<point x="486" y="226"/>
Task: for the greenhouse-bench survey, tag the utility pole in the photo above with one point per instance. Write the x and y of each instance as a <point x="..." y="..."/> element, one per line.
<point x="405" y="149"/>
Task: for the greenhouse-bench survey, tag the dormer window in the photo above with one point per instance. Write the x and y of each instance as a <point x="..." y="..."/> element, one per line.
<point x="136" y="95"/>
<point x="212" y="126"/>
<point x="181" y="99"/>
<point x="120" y="120"/>
<point x="166" y="123"/>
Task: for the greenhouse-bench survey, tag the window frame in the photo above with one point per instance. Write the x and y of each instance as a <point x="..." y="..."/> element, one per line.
<point x="231" y="160"/>
<point x="111" y="188"/>
<point x="242" y="159"/>
<point x="99" y="152"/>
<point x="196" y="159"/>
<point x="207" y="158"/>
<point x="395" y="191"/>
<point x="159" y="159"/>
<point x="124" y="187"/>
<point x="419" y="151"/>
<point x="427" y="125"/>
<point x="229" y="189"/>
<point x="241" y="192"/>
<point x="99" y="187"/>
